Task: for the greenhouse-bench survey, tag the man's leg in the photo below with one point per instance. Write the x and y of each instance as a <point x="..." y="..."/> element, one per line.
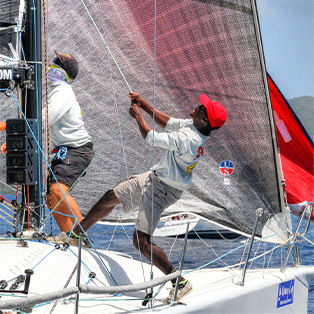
<point x="65" y="223"/>
<point x="142" y="242"/>
<point x="100" y="210"/>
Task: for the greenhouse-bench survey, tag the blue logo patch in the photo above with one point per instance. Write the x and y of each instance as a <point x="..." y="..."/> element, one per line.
<point x="285" y="293"/>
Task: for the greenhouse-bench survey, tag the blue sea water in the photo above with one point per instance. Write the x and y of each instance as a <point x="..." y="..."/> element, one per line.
<point x="198" y="251"/>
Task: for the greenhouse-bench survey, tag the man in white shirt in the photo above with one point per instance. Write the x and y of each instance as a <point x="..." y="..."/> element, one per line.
<point x="184" y="145"/>
<point x="68" y="138"/>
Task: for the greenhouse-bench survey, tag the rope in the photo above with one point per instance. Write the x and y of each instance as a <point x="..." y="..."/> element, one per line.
<point x="20" y="40"/>
<point x="107" y="47"/>
<point x="210" y="246"/>
<point x="122" y="145"/>
<point x="9" y="222"/>
<point x="48" y="183"/>
<point x="153" y="151"/>
<point x="37" y="110"/>
<point x="7" y="214"/>
<point x="239" y="247"/>
<point x="307" y="240"/>
<point x="65" y="286"/>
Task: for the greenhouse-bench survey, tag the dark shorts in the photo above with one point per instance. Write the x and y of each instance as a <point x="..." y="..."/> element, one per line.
<point x="74" y="164"/>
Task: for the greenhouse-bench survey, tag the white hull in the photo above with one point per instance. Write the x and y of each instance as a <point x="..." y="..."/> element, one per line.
<point x="214" y="291"/>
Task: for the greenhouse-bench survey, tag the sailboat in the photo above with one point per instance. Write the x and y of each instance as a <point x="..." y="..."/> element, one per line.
<point x="170" y="52"/>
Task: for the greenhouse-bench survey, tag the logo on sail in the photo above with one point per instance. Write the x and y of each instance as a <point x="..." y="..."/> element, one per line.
<point x="226" y="167"/>
<point x="285" y="293"/>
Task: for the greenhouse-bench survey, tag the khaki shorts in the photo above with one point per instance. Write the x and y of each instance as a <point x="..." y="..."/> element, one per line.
<point x="137" y="193"/>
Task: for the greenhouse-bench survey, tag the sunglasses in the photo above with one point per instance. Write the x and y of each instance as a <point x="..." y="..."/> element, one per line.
<point x="57" y="61"/>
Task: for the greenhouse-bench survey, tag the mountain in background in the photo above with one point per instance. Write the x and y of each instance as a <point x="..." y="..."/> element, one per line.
<point x="303" y="108"/>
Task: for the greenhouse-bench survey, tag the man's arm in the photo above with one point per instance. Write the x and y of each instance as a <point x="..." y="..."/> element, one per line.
<point x="4" y="148"/>
<point x="136" y="113"/>
<point x="160" y="118"/>
<point x="3" y="126"/>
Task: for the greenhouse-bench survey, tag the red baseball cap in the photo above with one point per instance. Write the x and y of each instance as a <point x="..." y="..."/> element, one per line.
<point x="216" y="112"/>
<point x="69" y="63"/>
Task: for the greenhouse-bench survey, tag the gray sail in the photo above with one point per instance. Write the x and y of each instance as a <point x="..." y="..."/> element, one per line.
<point x="201" y="47"/>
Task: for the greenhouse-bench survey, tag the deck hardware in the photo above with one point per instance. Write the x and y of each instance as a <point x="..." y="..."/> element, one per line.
<point x="3" y="284"/>
<point x="306" y="213"/>
<point x="259" y="213"/>
<point x="181" y="262"/>
<point x="19" y="280"/>
<point x="79" y="260"/>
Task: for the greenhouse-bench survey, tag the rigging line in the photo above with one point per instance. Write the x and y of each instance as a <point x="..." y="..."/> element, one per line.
<point x="6" y="200"/>
<point x="37" y="105"/>
<point x="19" y="311"/>
<point x="209" y="246"/>
<point x="256" y="251"/>
<point x="270" y="257"/>
<point x="220" y="234"/>
<point x="44" y="158"/>
<point x="308" y="240"/>
<point x="121" y="137"/>
<point x="108" y="271"/>
<point x="65" y="286"/>
<point x="7" y="213"/>
<point x="45" y="19"/>
<point x="54" y="248"/>
<point x="174" y="242"/>
<point x="7" y="207"/>
<point x="93" y="160"/>
<point x="153" y="151"/>
<point x="239" y="247"/>
<point x="20" y="40"/>
<point x="107" y="47"/>
<point x="76" y="255"/>
<point x="8" y="221"/>
<point x="264" y="254"/>
<point x="47" y="183"/>
<point x="123" y="149"/>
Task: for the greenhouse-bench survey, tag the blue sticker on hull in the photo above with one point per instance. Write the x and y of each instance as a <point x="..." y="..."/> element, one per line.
<point x="285" y="293"/>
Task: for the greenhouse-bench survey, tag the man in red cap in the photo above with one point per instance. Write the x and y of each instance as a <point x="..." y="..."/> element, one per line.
<point x="69" y="140"/>
<point x="184" y="145"/>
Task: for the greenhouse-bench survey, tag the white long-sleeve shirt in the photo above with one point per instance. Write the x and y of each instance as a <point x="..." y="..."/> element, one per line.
<point x="66" y="126"/>
<point x="184" y="146"/>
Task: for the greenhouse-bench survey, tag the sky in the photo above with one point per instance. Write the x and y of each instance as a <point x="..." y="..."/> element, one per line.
<point x="287" y="35"/>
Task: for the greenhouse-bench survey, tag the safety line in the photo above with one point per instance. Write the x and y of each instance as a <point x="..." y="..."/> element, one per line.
<point x="239" y="247"/>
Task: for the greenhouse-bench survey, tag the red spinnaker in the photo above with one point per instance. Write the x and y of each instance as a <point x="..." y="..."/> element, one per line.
<point x="296" y="151"/>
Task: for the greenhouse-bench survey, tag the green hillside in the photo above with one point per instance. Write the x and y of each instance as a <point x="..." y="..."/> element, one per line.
<point x="303" y="108"/>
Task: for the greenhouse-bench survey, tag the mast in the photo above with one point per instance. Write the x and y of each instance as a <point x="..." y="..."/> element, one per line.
<point x="32" y="96"/>
<point x="269" y="105"/>
<point x="21" y="68"/>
